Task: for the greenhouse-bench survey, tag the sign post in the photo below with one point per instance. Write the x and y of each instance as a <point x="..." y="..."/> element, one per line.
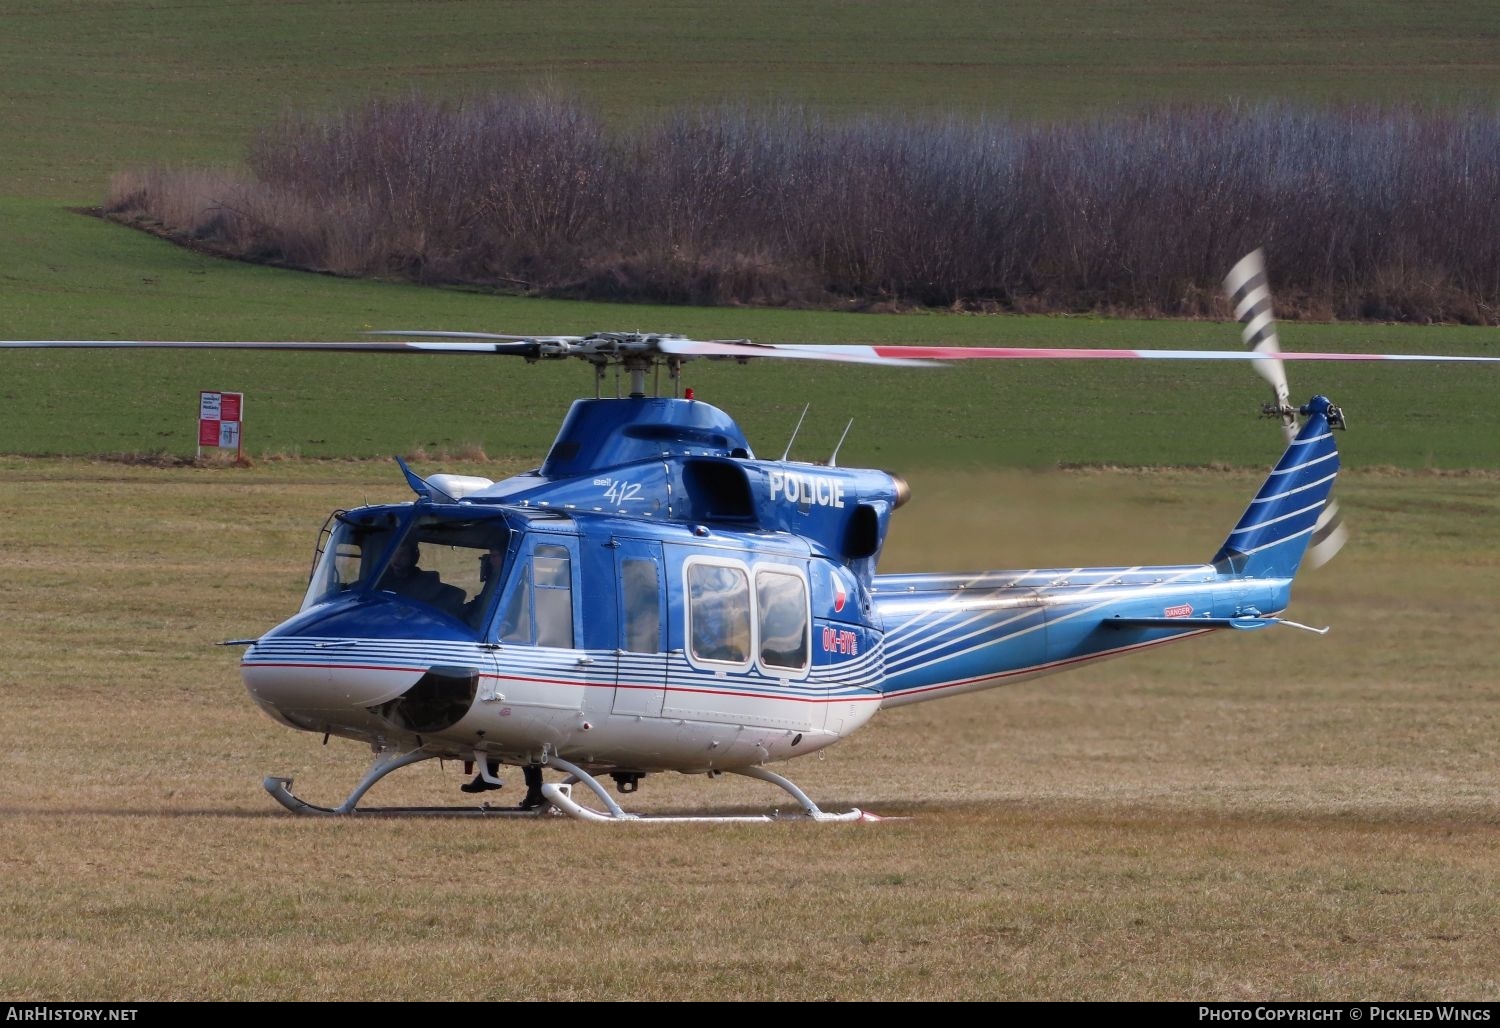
<point x="220" y="419"/>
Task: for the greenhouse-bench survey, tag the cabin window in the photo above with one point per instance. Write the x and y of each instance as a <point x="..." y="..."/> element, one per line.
<point x="719" y="613"/>
<point x="642" y="605"/>
<point x="781" y="603"/>
<point x="540" y="607"/>
<point x="768" y="627"/>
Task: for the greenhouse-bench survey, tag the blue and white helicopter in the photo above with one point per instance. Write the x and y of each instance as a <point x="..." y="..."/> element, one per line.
<point x="655" y="597"/>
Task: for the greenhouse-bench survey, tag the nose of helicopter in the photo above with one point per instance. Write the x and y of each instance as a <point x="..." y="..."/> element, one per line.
<point x="354" y="668"/>
<point x="323" y="673"/>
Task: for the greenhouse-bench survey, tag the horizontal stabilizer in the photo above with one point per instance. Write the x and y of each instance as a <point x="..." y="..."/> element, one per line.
<point x="1244" y="624"/>
<point x="1190" y="624"/>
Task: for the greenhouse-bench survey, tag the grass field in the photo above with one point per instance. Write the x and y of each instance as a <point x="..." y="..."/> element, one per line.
<point x="1278" y="816"/>
<point x="94" y="86"/>
<point x="119" y="284"/>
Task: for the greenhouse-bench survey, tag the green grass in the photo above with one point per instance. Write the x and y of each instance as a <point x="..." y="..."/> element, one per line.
<point x="103" y="281"/>
<point x="92" y="87"/>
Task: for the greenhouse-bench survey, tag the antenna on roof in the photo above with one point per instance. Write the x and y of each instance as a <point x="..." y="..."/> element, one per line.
<point x="833" y="461"/>
<point x="788" y="451"/>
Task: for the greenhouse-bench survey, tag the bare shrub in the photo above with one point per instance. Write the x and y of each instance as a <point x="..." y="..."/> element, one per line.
<point x="471" y="452"/>
<point x="1389" y="213"/>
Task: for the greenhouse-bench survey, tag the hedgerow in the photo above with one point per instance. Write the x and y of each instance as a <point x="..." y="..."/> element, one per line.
<point x="1389" y="214"/>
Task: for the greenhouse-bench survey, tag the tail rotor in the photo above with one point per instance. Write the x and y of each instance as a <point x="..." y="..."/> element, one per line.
<point x="1250" y="293"/>
<point x="1248" y="290"/>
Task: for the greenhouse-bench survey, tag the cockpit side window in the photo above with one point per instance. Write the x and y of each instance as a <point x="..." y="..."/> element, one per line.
<point x="492" y="562"/>
<point x="539" y="610"/>
<point x="553" y="578"/>
<point x="515" y="626"/>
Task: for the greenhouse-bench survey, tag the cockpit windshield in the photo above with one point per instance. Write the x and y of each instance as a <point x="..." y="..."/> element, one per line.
<point x="349" y="553"/>
<point x="452" y="565"/>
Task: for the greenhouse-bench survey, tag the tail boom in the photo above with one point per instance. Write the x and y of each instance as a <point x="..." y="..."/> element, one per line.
<point x="948" y="634"/>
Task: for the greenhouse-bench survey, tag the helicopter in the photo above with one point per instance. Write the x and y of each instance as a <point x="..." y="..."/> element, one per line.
<point x="655" y="597"/>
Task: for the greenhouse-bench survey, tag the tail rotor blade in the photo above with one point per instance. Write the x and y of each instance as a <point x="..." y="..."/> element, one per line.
<point x="1329" y="536"/>
<point x="1249" y="291"/>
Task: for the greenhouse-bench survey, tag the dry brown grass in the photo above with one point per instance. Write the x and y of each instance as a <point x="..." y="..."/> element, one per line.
<point x="1275" y="815"/>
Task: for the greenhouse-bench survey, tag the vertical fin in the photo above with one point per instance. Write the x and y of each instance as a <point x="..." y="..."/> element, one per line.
<point x="1273" y="534"/>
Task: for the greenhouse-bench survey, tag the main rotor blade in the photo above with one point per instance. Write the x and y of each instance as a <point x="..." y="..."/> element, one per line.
<point x="423" y="334"/>
<point x="896" y="355"/>
<point x="1069" y="353"/>
<point x="743" y="350"/>
<point x="520" y="349"/>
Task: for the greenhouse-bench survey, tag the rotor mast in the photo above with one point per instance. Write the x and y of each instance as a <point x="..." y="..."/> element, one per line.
<point x="636" y="366"/>
<point x="637" y="354"/>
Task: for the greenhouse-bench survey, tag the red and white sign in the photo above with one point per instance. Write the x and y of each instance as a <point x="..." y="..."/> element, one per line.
<point x="220" y="419"/>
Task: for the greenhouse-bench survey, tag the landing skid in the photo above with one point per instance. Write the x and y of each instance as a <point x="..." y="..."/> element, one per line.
<point x="560" y="795"/>
<point x="281" y="791"/>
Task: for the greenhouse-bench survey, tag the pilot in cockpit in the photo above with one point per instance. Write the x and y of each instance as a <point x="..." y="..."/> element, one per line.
<point x="406" y="578"/>
<point x="491" y="566"/>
